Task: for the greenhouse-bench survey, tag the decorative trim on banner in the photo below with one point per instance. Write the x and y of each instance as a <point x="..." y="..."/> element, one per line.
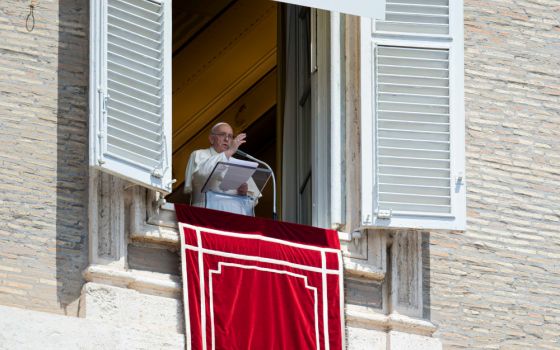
<point x="237" y="286"/>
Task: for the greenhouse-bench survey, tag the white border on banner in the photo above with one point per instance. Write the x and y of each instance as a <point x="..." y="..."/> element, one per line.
<point x="188" y="338"/>
<point x="259" y="237"/>
<point x="247" y="267"/>
<point x="201" y="250"/>
<point x="202" y="290"/>
<point x="341" y="284"/>
<point x="325" y="307"/>
<point x="259" y="259"/>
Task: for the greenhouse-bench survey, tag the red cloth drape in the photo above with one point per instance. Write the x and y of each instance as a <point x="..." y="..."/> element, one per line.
<point x="253" y="283"/>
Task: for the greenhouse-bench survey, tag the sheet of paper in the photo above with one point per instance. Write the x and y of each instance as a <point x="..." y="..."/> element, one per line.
<point x="242" y="162"/>
<point x="237" y="175"/>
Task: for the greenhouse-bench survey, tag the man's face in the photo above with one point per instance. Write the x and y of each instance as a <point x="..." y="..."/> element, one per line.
<point x="221" y="138"/>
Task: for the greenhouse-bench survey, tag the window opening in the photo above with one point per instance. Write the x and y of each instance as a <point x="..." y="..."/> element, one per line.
<point x="224" y="69"/>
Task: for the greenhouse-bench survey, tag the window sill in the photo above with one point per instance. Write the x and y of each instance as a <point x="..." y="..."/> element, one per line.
<point x="161" y="228"/>
<point x="359" y="315"/>
<point x="146" y="282"/>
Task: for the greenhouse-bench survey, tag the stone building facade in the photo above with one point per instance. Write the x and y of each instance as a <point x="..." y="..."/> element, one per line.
<point x="494" y="285"/>
<point x="44" y="155"/>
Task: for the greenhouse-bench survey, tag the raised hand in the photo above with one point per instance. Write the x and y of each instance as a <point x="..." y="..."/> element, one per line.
<point x="235" y="143"/>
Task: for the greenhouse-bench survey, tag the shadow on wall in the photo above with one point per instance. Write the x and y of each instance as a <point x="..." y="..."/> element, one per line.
<point x="72" y="152"/>
<point x="426" y="295"/>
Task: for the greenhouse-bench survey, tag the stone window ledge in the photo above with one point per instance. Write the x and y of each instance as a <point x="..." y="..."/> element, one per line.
<point x="143" y="281"/>
<point x="161" y="227"/>
<point x="163" y="233"/>
<point x="170" y="286"/>
<point x="368" y="318"/>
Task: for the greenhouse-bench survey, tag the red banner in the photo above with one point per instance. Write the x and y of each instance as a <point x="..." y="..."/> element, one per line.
<point x="251" y="283"/>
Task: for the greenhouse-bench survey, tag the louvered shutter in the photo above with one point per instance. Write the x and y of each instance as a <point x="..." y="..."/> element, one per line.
<point x="416" y="16"/>
<point x="413" y="163"/>
<point x="413" y="159"/>
<point x="130" y="103"/>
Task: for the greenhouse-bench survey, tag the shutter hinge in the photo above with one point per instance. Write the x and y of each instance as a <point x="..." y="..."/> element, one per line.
<point x="384" y="214"/>
<point x="100" y="136"/>
<point x="157" y="173"/>
<point x="170" y="184"/>
<point x="105" y="100"/>
<point x="460" y="178"/>
<point x="356" y="235"/>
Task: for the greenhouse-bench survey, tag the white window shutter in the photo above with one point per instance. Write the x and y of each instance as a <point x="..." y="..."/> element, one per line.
<point x="130" y="97"/>
<point x="413" y="117"/>
<point x="413" y="153"/>
<point x="416" y="16"/>
<point x="364" y="8"/>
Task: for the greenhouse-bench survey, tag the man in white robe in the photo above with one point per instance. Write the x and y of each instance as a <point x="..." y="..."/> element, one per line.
<point x="202" y="162"/>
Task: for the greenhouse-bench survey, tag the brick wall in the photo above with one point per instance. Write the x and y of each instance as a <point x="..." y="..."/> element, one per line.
<point x="497" y="285"/>
<point x="43" y="154"/>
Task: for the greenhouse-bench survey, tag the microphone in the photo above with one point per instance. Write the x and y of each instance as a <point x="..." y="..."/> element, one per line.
<point x="248" y="156"/>
<point x="241" y="153"/>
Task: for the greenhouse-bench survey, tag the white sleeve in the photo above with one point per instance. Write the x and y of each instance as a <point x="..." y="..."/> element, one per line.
<point x="204" y="167"/>
<point x="200" y="165"/>
<point x="189" y="173"/>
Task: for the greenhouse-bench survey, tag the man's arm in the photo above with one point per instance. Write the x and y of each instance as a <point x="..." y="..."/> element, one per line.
<point x="200" y="166"/>
<point x="189" y="173"/>
<point x="235" y="143"/>
<point x="201" y="162"/>
<point x="204" y="165"/>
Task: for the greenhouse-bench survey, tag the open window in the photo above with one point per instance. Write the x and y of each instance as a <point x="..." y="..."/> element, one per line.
<point x="223" y="60"/>
<point x="230" y="61"/>
<point x="224" y="69"/>
<point x="249" y="63"/>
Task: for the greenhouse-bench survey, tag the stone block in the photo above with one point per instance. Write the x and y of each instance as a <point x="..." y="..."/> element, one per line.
<point x="406" y="341"/>
<point x="132" y="308"/>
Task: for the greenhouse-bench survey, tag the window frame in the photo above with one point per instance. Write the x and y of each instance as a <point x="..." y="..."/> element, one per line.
<point x="366" y="8"/>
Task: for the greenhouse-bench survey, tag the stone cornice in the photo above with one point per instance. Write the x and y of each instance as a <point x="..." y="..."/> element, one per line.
<point x="368" y="318"/>
<point x="146" y="282"/>
<point x="164" y="233"/>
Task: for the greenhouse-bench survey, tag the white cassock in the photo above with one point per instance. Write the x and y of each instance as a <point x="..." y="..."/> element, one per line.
<point x="200" y="166"/>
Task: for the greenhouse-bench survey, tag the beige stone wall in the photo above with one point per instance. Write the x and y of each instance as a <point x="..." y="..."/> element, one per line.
<point x="494" y="286"/>
<point x="497" y="285"/>
<point x="43" y="154"/>
<point x="47" y="331"/>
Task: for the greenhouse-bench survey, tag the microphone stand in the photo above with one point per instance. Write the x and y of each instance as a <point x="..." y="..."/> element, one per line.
<point x="248" y="156"/>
